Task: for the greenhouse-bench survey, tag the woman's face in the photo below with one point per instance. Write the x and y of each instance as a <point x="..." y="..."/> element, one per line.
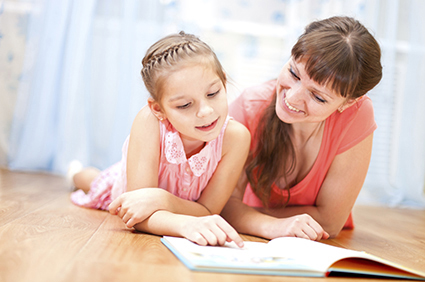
<point x="302" y="100"/>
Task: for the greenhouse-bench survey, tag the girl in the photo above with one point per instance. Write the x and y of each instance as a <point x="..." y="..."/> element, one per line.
<point x="312" y="134"/>
<point x="183" y="142"/>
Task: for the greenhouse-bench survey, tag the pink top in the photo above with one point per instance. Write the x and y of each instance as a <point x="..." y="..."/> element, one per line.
<point x="185" y="178"/>
<point x="342" y="132"/>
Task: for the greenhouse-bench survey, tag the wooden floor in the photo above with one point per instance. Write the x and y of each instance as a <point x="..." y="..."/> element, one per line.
<point x="44" y="237"/>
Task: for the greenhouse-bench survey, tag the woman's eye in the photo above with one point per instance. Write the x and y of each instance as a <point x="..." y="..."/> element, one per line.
<point x="293" y="73"/>
<point x="318" y="98"/>
<point x="183" y="106"/>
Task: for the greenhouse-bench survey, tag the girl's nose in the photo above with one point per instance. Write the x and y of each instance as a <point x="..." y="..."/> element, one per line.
<point x="205" y="109"/>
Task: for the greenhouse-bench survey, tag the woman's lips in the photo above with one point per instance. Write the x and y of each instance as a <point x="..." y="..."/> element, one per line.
<point x="287" y="105"/>
<point x="290" y="107"/>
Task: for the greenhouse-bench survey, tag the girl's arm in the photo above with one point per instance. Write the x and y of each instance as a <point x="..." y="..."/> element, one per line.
<point x="142" y="172"/>
<point x="236" y="144"/>
<point x="143" y="151"/>
<point x="138" y="205"/>
<point x="339" y="191"/>
<point x="184" y="218"/>
<point x="206" y="230"/>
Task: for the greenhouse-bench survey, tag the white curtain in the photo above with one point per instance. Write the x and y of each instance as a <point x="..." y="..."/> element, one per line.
<point x="70" y="83"/>
<point x="80" y="86"/>
<point x="397" y="172"/>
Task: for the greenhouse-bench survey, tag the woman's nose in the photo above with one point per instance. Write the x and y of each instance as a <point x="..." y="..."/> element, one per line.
<point x="295" y="94"/>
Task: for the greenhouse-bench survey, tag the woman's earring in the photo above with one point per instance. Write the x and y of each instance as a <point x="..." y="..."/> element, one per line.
<point x="340" y="110"/>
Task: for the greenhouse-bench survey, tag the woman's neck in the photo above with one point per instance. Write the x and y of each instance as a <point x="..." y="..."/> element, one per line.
<point x="302" y="133"/>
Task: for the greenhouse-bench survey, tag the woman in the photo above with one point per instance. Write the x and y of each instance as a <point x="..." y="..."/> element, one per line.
<point x="312" y="132"/>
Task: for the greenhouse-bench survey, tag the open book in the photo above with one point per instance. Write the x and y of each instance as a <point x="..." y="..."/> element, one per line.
<point x="287" y="256"/>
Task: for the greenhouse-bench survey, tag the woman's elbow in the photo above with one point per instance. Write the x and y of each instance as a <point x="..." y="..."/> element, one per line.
<point x="333" y="230"/>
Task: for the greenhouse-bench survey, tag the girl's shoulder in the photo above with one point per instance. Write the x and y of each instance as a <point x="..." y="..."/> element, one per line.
<point x="145" y="124"/>
<point x="236" y="129"/>
<point x="235" y="135"/>
<point x="145" y="118"/>
<point x="145" y="114"/>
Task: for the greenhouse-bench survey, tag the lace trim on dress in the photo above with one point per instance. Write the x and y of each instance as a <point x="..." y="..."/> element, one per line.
<point x="174" y="152"/>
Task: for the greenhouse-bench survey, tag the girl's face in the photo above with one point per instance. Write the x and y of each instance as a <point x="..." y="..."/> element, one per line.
<point x="194" y="101"/>
<point x="302" y="100"/>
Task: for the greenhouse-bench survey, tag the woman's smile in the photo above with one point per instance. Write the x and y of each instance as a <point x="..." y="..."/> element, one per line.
<point x="287" y="106"/>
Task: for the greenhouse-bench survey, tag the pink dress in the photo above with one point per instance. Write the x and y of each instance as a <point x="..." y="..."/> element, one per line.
<point x="342" y="132"/>
<point x="185" y="178"/>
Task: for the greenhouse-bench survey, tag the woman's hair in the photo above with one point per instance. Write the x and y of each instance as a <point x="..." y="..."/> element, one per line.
<point x="338" y="52"/>
<point x="171" y="53"/>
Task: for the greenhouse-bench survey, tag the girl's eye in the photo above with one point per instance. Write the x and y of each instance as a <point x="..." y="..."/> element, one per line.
<point x="183" y="106"/>
<point x="213" y="94"/>
<point x="293" y="73"/>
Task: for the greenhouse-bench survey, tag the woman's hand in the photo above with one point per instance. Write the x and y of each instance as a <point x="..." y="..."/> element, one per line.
<point x="302" y="226"/>
<point x="136" y="206"/>
<point x="209" y="230"/>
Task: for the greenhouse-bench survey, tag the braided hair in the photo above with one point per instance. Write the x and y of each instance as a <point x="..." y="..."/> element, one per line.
<point x="171" y="53"/>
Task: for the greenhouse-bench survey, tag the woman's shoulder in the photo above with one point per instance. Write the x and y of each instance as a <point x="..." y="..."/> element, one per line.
<point x="354" y="124"/>
<point x="362" y="110"/>
<point x="251" y="102"/>
<point x="260" y="93"/>
<point x="365" y="105"/>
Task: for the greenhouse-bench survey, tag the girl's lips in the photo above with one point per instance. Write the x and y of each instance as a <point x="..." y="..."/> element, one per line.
<point x="208" y="127"/>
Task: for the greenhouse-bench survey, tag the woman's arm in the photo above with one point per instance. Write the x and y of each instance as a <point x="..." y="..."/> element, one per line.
<point x="339" y="191"/>
<point x="248" y="220"/>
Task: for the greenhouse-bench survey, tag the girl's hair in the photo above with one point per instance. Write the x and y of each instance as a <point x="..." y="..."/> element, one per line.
<point x="338" y="52"/>
<point x="171" y="53"/>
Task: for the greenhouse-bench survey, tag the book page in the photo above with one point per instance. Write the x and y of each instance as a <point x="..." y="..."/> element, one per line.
<point x="254" y="255"/>
<point x="315" y="254"/>
<point x="283" y="256"/>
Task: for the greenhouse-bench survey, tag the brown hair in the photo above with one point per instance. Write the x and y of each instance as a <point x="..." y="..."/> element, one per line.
<point x="172" y="52"/>
<point x="339" y="52"/>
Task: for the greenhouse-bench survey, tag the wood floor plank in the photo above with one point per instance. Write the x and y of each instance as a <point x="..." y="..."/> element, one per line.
<point x="397" y="235"/>
<point x="21" y="193"/>
<point x="41" y="232"/>
<point x="37" y="253"/>
<point x="44" y="237"/>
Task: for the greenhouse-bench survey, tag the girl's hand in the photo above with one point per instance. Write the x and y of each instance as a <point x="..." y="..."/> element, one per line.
<point x="302" y="226"/>
<point x="136" y="206"/>
<point x="210" y="230"/>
